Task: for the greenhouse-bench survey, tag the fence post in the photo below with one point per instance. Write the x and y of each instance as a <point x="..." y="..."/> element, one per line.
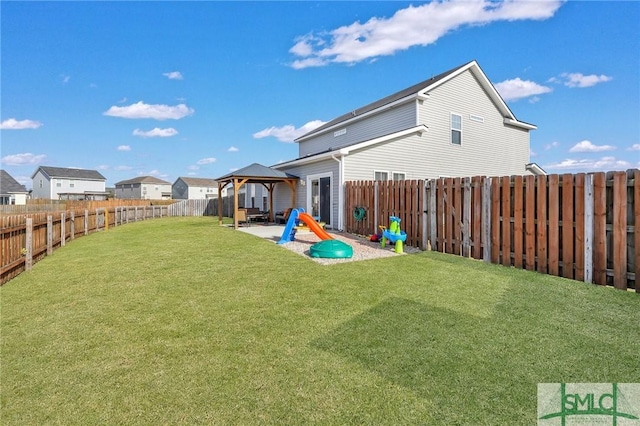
<point x="486" y="219"/>
<point x="466" y="217"/>
<point x="28" y="261"/>
<point x="72" y="225"/>
<point x="588" y="228"/>
<point x="63" y="229"/>
<point x="49" y="235"/>
<point x="86" y="221"/>
<point x="106" y="218"/>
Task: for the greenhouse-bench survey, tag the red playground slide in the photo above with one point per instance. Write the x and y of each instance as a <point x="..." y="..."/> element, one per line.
<point x="314" y="226"/>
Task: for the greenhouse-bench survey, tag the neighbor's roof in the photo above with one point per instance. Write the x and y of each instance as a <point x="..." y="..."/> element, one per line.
<point x="257" y="171"/>
<point x="63" y="172"/>
<point x="144" y="179"/>
<point x="417" y="90"/>
<point x="191" y="181"/>
<point x="8" y="185"/>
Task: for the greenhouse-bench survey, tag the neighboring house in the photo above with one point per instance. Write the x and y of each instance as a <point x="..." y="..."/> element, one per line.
<point x="453" y="124"/>
<point x="60" y="183"/>
<point x="188" y="188"/>
<point x="144" y="188"/>
<point x="11" y="192"/>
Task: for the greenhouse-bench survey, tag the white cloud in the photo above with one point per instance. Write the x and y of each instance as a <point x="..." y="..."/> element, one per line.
<point x="414" y="26"/>
<point x="587" y="146"/>
<point x="580" y="80"/>
<point x="288" y="133"/>
<point x="517" y="89"/>
<point x="65" y="78"/>
<point x="532" y="153"/>
<point x="174" y="75"/>
<point x="103" y="167"/>
<point x="123" y="100"/>
<point x="232" y="149"/>
<point x="233" y="169"/>
<point x="588" y="165"/>
<point x="156" y="133"/>
<point x="634" y="147"/>
<point x="25" y="159"/>
<point x="155" y="173"/>
<point x="157" y="112"/>
<point x="124" y="148"/>
<point x="551" y="145"/>
<point x="194" y="167"/>
<point x="206" y="161"/>
<point x="13" y="124"/>
<point x="122" y="168"/>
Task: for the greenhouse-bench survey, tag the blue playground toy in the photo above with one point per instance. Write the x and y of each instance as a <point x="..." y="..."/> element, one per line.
<point x="394" y="235"/>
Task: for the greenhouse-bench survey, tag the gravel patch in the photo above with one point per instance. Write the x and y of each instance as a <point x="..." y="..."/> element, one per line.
<point x="363" y="249"/>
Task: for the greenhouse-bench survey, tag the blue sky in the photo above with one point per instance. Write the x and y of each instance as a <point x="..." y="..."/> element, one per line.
<point x="198" y="89"/>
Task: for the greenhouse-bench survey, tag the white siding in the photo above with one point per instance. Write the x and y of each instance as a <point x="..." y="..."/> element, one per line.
<point x="389" y="121"/>
<point x="282" y="193"/>
<point x="488" y="148"/>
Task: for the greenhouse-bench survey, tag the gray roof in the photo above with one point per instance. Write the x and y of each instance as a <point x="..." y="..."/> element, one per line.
<point x="63" y="172"/>
<point x="8" y="185"/>
<point x="257" y="171"/>
<point x="384" y="101"/>
<point x="191" y="181"/>
<point x="144" y="179"/>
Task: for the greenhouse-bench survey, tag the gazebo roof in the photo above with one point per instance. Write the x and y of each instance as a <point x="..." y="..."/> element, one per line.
<point x="256" y="173"/>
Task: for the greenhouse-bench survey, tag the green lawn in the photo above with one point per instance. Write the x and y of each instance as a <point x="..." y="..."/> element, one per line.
<point x="180" y="321"/>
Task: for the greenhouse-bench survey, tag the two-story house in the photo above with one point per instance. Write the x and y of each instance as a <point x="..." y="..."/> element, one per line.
<point x="190" y="188"/>
<point x="61" y="183"/>
<point x="453" y="124"/>
<point x="143" y="188"/>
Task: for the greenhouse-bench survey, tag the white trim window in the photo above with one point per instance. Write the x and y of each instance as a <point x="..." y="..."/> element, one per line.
<point x="378" y="175"/>
<point x="399" y="175"/>
<point x="456" y="129"/>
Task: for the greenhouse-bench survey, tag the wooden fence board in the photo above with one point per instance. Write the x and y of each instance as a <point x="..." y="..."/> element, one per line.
<point x="541" y="223"/>
<point x="553" y="238"/>
<point x="530" y="222"/>
<point x="599" y="229"/>
<point x="620" y="230"/>
<point x="567" y="221"/>
<point x="518" y="230"/>
<point x="505" y="201"/>
<point x="579" y="230"/>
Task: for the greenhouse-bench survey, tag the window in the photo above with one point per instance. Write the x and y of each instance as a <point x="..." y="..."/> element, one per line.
<point x="40" y="183"/>
<point x="72" y="184"/>
<point x="58" y="184"/>
<point x="380" y="175"/>
<point x="456" y="129"/>
<point x="399" y="175"/>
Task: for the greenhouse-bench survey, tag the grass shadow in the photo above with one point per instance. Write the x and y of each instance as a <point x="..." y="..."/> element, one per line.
<point x="435" y="352"/>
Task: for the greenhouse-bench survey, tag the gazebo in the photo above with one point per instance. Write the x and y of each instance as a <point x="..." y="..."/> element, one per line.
<point x="254" y="173"/>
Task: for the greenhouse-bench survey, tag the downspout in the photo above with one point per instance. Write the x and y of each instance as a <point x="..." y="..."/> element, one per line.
<point x="341" y="212"/>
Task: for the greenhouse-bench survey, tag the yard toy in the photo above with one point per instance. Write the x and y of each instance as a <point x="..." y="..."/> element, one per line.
<point x="295" y="217"/>
<point x="394" y="234"/>
<point x="331" y="249"/>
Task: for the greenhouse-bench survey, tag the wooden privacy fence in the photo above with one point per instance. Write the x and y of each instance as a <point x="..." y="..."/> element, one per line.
<point x="578" y="226"/>
<point x="26" y="239"/>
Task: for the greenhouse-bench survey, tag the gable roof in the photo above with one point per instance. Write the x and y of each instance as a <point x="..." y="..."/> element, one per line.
<point x="8" y="185"/>
<point x="63" y="172"/>
<point x="420" y="91"/>
<point x="144" y="179"/>
<point x="191" y="181"/>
